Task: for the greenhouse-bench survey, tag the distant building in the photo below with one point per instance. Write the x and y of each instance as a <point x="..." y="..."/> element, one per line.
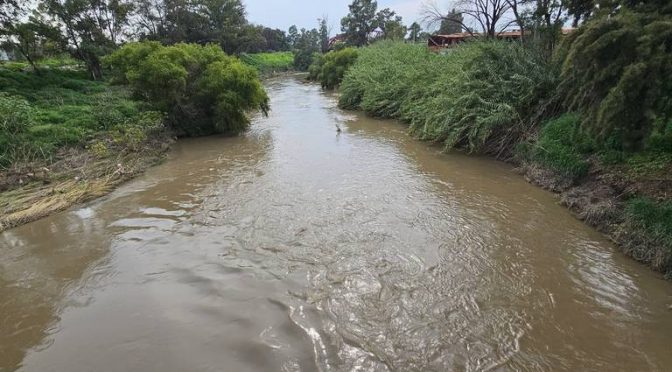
<point x="340" y="38"/>
<point x="438" y="42"/>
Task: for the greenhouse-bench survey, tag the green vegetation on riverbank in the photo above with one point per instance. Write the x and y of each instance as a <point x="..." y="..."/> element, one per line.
<point x="593" y="122"/>
<point x="269" y="63"/>
<point x="42" y="114"/>
<point x="201" y="89"/>
<point x="330" y="68"/>
<point x="65" y="138"/>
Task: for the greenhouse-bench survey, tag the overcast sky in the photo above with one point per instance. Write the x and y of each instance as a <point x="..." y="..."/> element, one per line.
<point x="304" y="13"/>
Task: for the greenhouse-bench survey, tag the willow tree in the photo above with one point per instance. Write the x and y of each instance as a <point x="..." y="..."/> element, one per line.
<point x="616" y="70"/>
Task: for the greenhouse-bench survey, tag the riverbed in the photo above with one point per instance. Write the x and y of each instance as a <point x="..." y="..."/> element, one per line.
<point x="296" y="247"/>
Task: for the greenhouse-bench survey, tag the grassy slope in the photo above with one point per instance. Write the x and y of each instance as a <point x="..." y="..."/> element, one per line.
<point x="270" y="62"/>
<point x="78" y="139"/>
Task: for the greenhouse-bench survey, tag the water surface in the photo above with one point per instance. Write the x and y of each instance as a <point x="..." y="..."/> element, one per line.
<point x="295" y="248"/>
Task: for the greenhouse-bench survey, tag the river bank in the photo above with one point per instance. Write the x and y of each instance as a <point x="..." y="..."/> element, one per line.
<point x="604" y="200"/>
<point x="617" y="180"/>
<point x="31" y="191"/>
<point x="65" y="139"/>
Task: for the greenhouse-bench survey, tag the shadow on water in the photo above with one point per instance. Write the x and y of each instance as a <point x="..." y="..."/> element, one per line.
<point x="297" y="248"/>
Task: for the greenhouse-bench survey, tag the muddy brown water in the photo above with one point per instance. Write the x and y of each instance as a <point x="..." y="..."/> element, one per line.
<point x="295" y="248"/>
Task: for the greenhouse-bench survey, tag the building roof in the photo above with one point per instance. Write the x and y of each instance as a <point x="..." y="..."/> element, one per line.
<point x="510" y="33"/>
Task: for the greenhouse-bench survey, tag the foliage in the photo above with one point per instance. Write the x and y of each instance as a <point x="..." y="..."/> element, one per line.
<point x="330" y="68"/>
<point x="29" y="39"/>
<point x="269" y="62"/>
<point x="364" y="18"/>
<point x="415" y="32"/>
<point x="202" y="90"/>
<point x="43" y="113"/>
<point x="483" y="96"/>
<point x="655" y="218"/>
<point x="451" y="23"/>
<point x="16" y="116"/>
<point x="615" y="71"/>
<point x="92" y="28"/>
<point x="561" y="146"/>
<point x="360" y="22"/>
<point x="306" y="46"/>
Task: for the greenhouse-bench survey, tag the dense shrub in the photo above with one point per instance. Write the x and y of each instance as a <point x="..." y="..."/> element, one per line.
<point x="202" y="90"/>
<point x="616" y="71"/>
<point x="269" y="62"/>
<point x="329" y="69"/>
<point x="483" y="96"/>
<point x="561" y="146"/>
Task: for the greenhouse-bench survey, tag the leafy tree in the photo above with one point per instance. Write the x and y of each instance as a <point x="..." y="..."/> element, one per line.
<point x="226" y="25"/>
<point x="414" y="32"/>
<point x="306" y="46"/>
<point x="390" y="24"/>
<point x="28" y="39"/>
<point x="394" y="30"/>
<point x="292" y="36"/>
<point x="615" y="70"/>
<point x="324" y="34"/>
<point x="9" y="12"/>
<point x="451" y="23"/>
<point x="202" y="90"/>
<point x="360" y="22"/>
<point x="276" y="40"/>
<point x="579" y="10"/>
<point x="92" y="28"/>
<point x="150" y="21"/>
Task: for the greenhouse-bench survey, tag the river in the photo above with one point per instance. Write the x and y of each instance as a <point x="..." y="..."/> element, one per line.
<point x="298" y="248"/>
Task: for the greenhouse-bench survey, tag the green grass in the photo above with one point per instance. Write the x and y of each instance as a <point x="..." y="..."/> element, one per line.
<point x="655" y="219"/>
<point x="58" y="108"/>
<point x="270" y="62"/>
<point x="562" y="147"/>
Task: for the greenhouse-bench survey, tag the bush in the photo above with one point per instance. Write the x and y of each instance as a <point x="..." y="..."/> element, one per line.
<point x="561" y="146"/>
<point x="330" y="68"/>
<point x="202" y="90"/>
<point x="482" y="96"/>
<point x="303" y="58"/>
<point x="615" y="71"/>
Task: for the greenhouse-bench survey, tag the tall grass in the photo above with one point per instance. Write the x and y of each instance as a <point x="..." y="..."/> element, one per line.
<point x="654" y="219"/>
<point x="270" y="62"/>
<point x="562" y="147"/>
<point x="481" y="96"/>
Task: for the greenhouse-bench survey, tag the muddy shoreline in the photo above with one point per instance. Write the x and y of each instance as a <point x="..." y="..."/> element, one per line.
<point x="599" y="201"/>
<point x="29" y="192"/>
